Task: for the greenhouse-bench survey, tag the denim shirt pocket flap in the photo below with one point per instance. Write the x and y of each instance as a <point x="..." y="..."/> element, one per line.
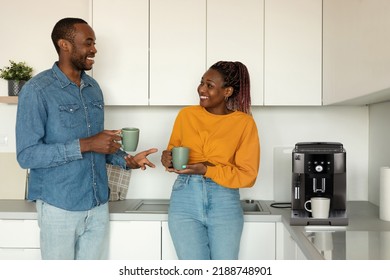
<point x="70" y="115"/>
<point x="98" y="104"/>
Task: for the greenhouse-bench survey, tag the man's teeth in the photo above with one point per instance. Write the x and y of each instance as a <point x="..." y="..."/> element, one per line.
<point x="91" y="58"/>
<point x="203" y="97"/>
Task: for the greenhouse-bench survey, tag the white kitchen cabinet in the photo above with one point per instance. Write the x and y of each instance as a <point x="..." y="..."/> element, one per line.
<point x="121" y="63"/>
<point x="235" y="32"/>
<point x="19" y="240"/>
<point x="300" y="254"/>
<point x="128" y="240"/>
<point x="177" y="50"/>
<point x="356" y="52"/>
<point x="167" y="248"/>
<point x="20" y="254"/>
<point x="293" y="52"/>
<point x="286" y="247"/>
<point x="257" y="242"/>
<point x="135" y="240"/>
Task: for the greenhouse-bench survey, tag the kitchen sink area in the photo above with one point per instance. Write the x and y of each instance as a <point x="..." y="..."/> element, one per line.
<point x="160" y="206"/>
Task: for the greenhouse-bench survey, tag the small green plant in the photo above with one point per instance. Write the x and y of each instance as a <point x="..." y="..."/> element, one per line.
<point x="16" y="71"/>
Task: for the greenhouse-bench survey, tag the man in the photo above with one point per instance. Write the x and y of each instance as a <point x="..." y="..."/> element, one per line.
<point x="60" y="137"/>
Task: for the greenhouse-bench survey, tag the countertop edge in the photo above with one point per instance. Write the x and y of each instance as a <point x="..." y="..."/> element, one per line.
<point x="362" y="215"/>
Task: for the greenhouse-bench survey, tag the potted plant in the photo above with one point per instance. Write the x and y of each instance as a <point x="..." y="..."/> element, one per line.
<point x="17" y="74"/>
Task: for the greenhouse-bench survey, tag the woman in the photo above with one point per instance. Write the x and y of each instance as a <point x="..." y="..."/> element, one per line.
<point x="205" y="216"/>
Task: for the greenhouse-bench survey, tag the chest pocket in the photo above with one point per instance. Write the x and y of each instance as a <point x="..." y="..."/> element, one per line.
<point x="71" y="115"/>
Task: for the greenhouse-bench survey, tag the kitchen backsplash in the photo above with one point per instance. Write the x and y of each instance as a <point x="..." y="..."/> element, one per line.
<point x="278" y="127"/>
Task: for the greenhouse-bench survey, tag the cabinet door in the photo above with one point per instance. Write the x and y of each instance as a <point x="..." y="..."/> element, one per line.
<point x="20" y="254"/>
<point x="121" y="65"/>
<point x="167" y="248"/>
<point x="258" y="241"/>
<point x="19" y="234"/>
<point x="293" y="52"/>
<point x="19" y="240"/>
<point x="235" y="33"/>
<point x="356" y="52"/>
<point x="135" y="240"/>
<point x="286" y="246"/>
<point x="177" y="50"/>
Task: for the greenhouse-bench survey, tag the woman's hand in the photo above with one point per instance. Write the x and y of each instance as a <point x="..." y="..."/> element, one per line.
<point x="192" y="169"/>
<point x="166" y="160"/>
<point x="140" y="160"/>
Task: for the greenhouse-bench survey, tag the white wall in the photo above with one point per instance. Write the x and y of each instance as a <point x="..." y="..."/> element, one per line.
<point x="30" y="40"/>
<point x="379" y="139"/>
<point x="278" y="127"/>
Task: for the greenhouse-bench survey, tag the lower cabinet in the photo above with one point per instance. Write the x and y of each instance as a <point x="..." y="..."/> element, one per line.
<point x="135" y="240"/>
<point x="19" y="240"/>
<point x="167" y="249"/>
<point x="257" y="242"/>
<point x="128" y="240"/>
<point x="286" y="247"/>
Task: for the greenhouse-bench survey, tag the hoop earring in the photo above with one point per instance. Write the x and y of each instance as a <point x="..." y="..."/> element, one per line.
<point x="226" y="98"/>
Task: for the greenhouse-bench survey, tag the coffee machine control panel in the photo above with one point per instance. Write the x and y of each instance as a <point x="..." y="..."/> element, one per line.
<point x="319" y="166"/>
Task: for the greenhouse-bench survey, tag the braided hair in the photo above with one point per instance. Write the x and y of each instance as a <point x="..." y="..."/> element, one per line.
<point x="235" y="75"/>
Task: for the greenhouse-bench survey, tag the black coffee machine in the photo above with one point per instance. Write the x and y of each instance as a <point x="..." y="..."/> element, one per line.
<point x="319" y="170"/>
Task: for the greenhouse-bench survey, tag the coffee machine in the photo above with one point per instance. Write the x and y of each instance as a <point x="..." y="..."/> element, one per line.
<point x="319" y="170"/>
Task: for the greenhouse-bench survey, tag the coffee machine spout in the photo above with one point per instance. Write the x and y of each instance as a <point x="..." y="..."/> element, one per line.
<point x="319" y="187"/>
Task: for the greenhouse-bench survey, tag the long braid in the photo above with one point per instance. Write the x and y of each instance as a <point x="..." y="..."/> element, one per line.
<point x="235" y="75"/>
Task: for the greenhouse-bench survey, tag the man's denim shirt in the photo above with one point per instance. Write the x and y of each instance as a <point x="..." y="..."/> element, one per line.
<point x="53" y="114"/>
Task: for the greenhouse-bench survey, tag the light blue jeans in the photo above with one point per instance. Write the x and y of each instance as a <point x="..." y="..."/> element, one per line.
<point x="205" y="219"/>
<point x="72" y="235"/>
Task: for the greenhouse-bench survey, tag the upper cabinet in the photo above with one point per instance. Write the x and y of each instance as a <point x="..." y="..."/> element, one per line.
<point x="235" y="32"/>
<point x="293" y="52"/>
<point x="356" y="54"/>
<point x="155" y="52"/>
<point x="122" y="61"/>
<point x="177" y="50"/>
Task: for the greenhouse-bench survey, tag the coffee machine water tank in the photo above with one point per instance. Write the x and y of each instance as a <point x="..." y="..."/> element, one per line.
<point x="318" y="170"/>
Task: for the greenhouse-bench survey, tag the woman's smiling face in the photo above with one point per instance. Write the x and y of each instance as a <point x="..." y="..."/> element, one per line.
<point x="212" y="92"/>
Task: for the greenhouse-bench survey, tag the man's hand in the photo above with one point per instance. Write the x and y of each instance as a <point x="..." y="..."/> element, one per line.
<point x="140" y="160"/>
<point x="105" y="142"/>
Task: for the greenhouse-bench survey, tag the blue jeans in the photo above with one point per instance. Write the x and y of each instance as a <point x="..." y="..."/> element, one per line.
<point x="205" y="219"/>
<point x="72" y="235"/>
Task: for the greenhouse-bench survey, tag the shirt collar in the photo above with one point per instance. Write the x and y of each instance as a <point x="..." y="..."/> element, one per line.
<point x="64" y="80"/>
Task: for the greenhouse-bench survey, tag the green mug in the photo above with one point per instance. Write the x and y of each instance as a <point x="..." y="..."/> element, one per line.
<point x="130" y="137"/>
<point x="180" y="157"/>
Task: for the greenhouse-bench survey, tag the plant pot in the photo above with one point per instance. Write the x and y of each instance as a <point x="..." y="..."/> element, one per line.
<point x="14" y="87"/>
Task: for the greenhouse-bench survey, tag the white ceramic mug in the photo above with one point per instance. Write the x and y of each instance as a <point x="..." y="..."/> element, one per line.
<point x="319" y="207"/>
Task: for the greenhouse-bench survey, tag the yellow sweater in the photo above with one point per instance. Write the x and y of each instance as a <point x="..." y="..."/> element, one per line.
<point x="229" y="142"/>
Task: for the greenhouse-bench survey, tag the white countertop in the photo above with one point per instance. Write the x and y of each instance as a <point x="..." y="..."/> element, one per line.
<point x="364" y="227"/>
<point x="364" y="233"/>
